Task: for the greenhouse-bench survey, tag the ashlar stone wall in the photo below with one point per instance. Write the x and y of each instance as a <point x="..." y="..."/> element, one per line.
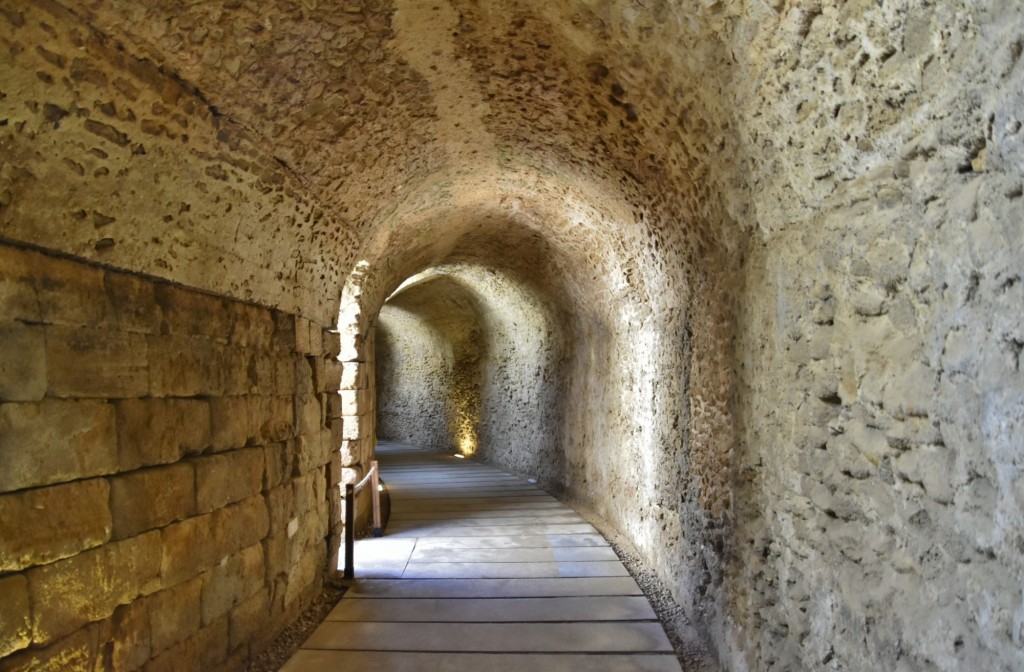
<point x="165" y="462"/>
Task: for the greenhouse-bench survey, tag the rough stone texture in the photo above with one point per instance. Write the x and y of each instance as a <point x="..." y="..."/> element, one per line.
<point x="778" y="245"/>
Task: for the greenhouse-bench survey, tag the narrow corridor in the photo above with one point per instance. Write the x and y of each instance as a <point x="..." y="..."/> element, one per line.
<point x="479" y="570"/>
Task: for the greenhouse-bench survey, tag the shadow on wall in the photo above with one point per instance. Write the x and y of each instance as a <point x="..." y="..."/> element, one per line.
<point x="467" y="361"/>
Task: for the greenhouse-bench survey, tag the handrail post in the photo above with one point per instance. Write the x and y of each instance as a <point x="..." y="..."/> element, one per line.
<point x="350" y="531"/>
<point x="375" y="494"/>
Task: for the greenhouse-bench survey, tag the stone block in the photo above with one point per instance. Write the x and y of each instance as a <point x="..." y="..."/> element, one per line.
<point x="272" y="418"/>
<point x="307" y="490"/>
<point x="331" y="344"/>
<point x="302" y="340"/>
<point x="129" y="636"/>
<point x="280" y="508"/>
<point x="357" y="427"/>
<point x="191" y="313"/>
<point x="351" y="453"/>
<point x="182" y="656"/>
<point x="42" y="525"/>
<point x="188" y="548"/>
<point x="54" y="441"/>
<point x="354" y="375"/>
<point x="355" y="402"/>
<point x="212" y="644"/>
<point x="151" y="498"/>
<point x="174" y="614"/>
<point x="251" y="327"/>
<point x="22" y="362"/>
<point x="304" y="575"/>
<point x="15" y="614"/>
<point x="230" y="423"/>
<point x="133" y="300"/>
<point x="308" y="415"/>
<point x="71" y="293"/>
<point x="278" y="461"/>
<point x="311" y="453"/>
<point x="284" y="375"/>
<point x="249" y="618"/>
<point x="18" y="300"/>
<point x="275" y="550"/>
<point x="231" y="582"/>
<point x="240" y="525"/>
<point x="159" y="431"/>
<point x="186" y="366"/>
<point x="228" y="477"/>
<point x="77" y="652"/>
<point x="89" y="586"/>
<point x="285" y="332"/>
<point x="96" y="363"/>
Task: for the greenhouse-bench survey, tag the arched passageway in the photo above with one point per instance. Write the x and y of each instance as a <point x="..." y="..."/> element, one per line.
<point x="777" y="245"/>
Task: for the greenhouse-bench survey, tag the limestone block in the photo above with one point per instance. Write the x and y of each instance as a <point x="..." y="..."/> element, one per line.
<point x="96" y="363"/>
<point x="187" y="366"/>
<point x="71" y="294"/>
<point x="356" y="402"/>
<point x="305" y="575"/>
<point x="77" y="652"/>
<point x="182" y="656"/>
<point x="251" y="327"/>
<point x="133" y="300"/>
<point x="275" y="548"/>
<point x="191" y="313"/>
<point x="22" y="362"/>
<point x="54" y="441"/>
<point x="249" y="618"/>
<point x="128" y="632"/>
<point x="89" y="586"/>
<point x="230" y="425"/>
<point x="284" y="375"/>
<point x="351" y="453"/>
<point x="46" y="524"/>
<point x="333" y="409"/>
<point x="212" y="644"/>
<point x="302" y="337"/>
<point x="334" y="470"/>
<point x="151" y="498"/>
<point x="174" y="614"/>
<point x="188" y="548"/>
<point x="281" y="508"/>
<point x="240" y="525"/>
<point x="285" y="332"/>
<point x="307" y="490"/>
<point x="331" y="344"/>
<point x="308" y="415"/>
<point x="311" y="453"/>
<point x="15" y="614"/>
<point x="232" y="581"/>
<point x="159" y="431"/>
<point x="357" y="427"/>
<point x="278" y="459"/>
<point x="18" y="300"/>
<point x="354" y="375"/>
<point x="228" y="477"/>
<point x="272" y="418"/>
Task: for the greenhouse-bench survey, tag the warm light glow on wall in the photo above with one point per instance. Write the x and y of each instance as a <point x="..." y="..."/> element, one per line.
<point x="467" y="440"/>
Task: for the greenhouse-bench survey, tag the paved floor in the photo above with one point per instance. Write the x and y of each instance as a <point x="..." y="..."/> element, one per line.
<point x="479" y="570"/>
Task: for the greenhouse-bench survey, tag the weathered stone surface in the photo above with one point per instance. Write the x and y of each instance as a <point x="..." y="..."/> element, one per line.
<point x="231" y="582"/>
<point x="230" y="425"/>
<point x="174" y="614"/>
<point x="15" y="614"/>
<point x="46" y="524"/>
<point x="186" y="366"/>
<point x="22" y="362"/>
<point x="188" y="548"/>
<point x="77" y="652"/>
<point x="89" y="586"/>
<point x="95" y="363"/>
<point x="151" y="498"/>
<point x="54" y="441"/>
<point x="228" y="477"/>
<point x="160" y="431"/>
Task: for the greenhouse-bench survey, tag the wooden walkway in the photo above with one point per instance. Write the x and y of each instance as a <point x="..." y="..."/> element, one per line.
<point x="481" y="571"/>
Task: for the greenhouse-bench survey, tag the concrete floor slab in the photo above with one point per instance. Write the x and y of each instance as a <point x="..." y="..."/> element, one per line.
<point x="443" y="530"/>
<point x="548" y="554"/>
<point x="524" y="541"/>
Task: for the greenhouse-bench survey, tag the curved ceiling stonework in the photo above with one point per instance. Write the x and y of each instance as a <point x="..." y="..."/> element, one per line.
<point x="779" y="242"/>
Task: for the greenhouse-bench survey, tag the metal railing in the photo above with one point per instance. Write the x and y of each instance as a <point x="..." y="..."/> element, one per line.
<point x="351" y="489"/>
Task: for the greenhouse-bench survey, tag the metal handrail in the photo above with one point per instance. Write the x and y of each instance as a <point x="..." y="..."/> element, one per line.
<point x="373" y="477"/>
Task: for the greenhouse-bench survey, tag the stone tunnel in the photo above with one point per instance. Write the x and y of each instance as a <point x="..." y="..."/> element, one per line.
<point x="741" y="277"/>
